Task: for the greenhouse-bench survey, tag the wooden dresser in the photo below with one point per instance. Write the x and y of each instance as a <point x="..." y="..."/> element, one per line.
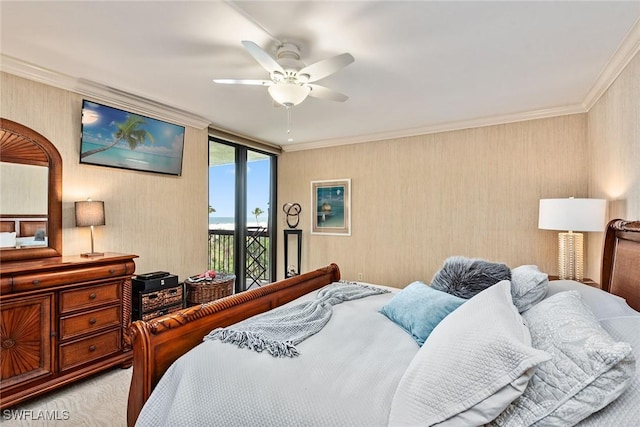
<point x="61" y="320"/>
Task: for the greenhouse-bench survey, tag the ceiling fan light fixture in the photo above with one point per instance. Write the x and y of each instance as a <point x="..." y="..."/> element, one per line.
<point x="288" y="94"/>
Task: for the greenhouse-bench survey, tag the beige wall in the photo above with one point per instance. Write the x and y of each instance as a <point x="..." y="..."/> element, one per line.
<point x="417" y="201"/>
<point x="161" y="218"/>
<point x="614" y="142"/>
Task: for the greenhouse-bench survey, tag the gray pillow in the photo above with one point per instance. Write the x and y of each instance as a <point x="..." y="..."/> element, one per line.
<point x="529" y="286"/>
<point x="39" y="235"/>
<point x="588" y="369"/>
<point x="466" y="277"/>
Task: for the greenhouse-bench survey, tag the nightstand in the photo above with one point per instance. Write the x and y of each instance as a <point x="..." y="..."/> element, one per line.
<point x="585" y="281"/>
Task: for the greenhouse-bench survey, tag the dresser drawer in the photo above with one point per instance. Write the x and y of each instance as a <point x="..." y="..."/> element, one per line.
<point x="88" y="349"/>
<point x="29" y="282"/>
<point x="86" y="322"/>
<point x="90" y="296"/>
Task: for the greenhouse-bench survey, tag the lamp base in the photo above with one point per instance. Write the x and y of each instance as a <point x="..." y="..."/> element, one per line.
<point x="570" y="256"/>
<point x="92" y="254"/>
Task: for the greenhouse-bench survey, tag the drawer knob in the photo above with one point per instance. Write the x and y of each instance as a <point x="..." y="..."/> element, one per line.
<point x="92" y="348"/>
<point x="92" y="296"/>
<point x="36" y="282"/>
<point x="112" y="270"/>
<point x="92" y="320"/>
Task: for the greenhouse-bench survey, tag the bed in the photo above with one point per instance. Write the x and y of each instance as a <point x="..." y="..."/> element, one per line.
<point x="362" y="369"/>
<point x="17" y="231"/>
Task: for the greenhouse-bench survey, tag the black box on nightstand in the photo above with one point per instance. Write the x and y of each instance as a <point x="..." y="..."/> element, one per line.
<point x="151" y="281"/>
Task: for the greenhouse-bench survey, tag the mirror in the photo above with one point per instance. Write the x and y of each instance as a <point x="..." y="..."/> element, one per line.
<point x="34" y="209"/>
<point x="29" y="183"/>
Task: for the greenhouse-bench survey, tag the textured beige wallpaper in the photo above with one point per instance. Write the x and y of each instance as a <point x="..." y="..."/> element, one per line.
<point x="417" y="201"/>
<point x="161" y="218"/>
<point x="614" y="141"/>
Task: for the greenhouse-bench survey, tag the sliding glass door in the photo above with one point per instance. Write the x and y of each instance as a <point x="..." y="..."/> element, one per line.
<point x="241" y="219"/>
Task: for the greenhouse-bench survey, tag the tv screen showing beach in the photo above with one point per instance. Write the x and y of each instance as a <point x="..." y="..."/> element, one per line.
<point x="119" y="139"/>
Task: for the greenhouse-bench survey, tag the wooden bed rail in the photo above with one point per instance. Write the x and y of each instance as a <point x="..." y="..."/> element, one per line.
<point x="161" y="341"/>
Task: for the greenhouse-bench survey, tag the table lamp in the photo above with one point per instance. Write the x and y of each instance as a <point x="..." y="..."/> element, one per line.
<point x="571" y="215"/>
<point x="90" y="214"/>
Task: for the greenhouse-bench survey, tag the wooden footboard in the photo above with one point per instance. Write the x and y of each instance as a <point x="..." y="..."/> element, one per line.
<point x="161" y="341"/>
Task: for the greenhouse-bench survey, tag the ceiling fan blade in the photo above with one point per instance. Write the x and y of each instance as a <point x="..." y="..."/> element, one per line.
<point x="244" y="82"/>
<point x="263" y="58"/>
<point x="321" y="69"/>
<point x="322" y="92"/>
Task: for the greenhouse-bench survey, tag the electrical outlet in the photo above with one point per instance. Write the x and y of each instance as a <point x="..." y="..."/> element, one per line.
<point x="360" y="276"/>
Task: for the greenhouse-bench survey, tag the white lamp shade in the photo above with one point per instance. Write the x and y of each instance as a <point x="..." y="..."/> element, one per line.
<point x="288" y="94"/>
<point x="572" y="214"/>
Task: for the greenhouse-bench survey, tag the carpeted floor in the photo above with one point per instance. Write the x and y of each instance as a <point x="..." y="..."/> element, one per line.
<point x="97" y="401"/>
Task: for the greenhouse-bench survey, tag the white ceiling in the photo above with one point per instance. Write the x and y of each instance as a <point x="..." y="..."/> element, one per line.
<point x="419" y="67"/>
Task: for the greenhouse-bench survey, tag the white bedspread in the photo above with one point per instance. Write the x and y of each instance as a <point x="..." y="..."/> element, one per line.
<point x="346" y="375"/>
<point x="329" y="384"/>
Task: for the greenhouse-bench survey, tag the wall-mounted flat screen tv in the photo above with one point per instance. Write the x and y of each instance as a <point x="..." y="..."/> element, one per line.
<point x="119" y="139"/>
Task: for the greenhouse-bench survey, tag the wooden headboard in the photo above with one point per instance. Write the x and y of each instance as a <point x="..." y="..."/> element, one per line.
<point x="24" y="225"/>
<point x="621" y="261"/>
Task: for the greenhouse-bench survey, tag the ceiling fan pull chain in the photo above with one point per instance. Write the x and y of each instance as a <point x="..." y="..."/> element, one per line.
<point x="288" y="121"/>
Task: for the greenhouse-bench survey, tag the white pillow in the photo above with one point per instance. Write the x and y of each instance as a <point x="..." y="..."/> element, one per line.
<point x="587" y="372"/>
<point x="603" y="304"/>
<point x="472" y="366"/>
<point x="8" y="239"/>
<point x="529" y="286"/>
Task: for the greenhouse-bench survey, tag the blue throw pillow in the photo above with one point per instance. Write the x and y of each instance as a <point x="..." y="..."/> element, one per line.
<point x="419" y="308"/>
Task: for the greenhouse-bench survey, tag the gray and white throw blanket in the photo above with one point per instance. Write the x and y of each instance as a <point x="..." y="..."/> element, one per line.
<point x="279" y="330"/>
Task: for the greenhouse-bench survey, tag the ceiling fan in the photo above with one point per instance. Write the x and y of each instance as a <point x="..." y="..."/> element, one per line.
<point x="291" y="80"/>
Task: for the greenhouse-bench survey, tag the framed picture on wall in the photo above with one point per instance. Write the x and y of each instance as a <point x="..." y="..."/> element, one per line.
<point x="331" y="207"/>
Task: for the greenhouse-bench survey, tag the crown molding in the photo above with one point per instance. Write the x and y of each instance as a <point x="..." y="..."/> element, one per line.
<point x="626" y="51"/>
<point x="245" y="140"/>
<point x="445" y="127"/>
<point x="97" y="91"/>
<point x="628" y="48"/>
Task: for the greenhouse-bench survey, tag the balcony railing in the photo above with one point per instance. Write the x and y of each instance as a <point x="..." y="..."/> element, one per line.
<point x="221" y="254"/>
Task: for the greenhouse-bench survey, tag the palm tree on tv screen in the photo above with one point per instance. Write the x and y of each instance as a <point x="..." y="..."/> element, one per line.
<point x="129" y="131"/>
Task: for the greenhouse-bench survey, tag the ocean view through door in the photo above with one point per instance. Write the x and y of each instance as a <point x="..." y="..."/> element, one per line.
<point x="241" y="223"/>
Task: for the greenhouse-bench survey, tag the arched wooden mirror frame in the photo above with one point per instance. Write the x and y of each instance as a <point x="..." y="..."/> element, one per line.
<point x="20" y="144"/>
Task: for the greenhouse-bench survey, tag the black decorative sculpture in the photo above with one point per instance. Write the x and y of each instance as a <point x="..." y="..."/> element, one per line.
<point x="292" y="210"/>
